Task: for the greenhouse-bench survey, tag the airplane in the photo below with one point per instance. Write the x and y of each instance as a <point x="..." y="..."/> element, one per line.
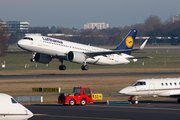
<point x="46" y="48"/>
<point x="168" y="87"/>
<point x="10" y="109"/>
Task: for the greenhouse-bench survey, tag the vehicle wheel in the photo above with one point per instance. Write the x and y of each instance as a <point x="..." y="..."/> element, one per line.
<point x="72" y="102"/>
<point x="83" y="102"/>
<point x="178" y="100"/>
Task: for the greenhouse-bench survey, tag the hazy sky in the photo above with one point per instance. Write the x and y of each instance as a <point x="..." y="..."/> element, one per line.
<point x="76" y="13"/>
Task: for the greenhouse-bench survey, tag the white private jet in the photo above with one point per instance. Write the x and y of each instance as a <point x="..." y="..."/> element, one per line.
<point x="169" y="87"/>
<point x="10" y="109"/>
<point x="46" y="48"/>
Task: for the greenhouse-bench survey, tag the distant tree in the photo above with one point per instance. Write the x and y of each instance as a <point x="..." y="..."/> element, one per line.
<point x="66" y="30"/>
<point x="59" y="31"/>
<point x="4" y="38"/>
<point x="13" y="38"/>
<point x="152" y="22"/>
<point x="42" y="30"/>
<point x="53" y="29"/>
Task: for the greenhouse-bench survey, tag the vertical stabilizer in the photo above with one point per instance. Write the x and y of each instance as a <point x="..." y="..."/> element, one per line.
<point x="128" y="41"/>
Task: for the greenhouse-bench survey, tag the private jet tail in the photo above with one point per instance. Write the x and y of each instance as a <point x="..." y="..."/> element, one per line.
<point x="128" y="42"/>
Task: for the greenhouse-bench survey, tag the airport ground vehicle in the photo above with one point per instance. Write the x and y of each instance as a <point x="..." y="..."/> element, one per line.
<point x="80" y="95"/>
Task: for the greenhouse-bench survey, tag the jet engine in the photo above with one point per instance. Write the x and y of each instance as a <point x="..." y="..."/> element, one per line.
<point x="76" y="57"/>
<point x="41" y="58"/>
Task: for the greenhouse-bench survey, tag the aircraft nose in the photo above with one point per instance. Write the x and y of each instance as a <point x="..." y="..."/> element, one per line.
<point x="20" y="43"/>
<point x="29" y="113"/>
<point x="122" y="91"/>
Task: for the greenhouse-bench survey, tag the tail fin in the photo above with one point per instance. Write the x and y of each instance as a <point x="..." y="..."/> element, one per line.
<point x="128" y="41"/>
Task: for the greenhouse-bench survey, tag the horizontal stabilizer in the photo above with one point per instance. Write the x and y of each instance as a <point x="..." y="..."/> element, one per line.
<point x="104" y="53"/>
<point x="142" y="46"/>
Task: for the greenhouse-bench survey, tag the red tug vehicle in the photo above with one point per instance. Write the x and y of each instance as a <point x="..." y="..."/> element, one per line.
<point x="80" y="95"/>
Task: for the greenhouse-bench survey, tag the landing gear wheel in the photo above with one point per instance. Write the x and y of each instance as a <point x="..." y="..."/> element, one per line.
<point x="32" y="59"/>
<point x="83" y="102"/>
<point x="62" y="67"/>
<point x="178" y="100"/>
<point x="72" y="102"/>
<point x="135" y="102"/>
<point x="84" y="67"/>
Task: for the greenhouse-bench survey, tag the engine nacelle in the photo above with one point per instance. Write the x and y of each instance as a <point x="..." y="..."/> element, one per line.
<point x="41" y="58"/>
<point x="76" y="57"/>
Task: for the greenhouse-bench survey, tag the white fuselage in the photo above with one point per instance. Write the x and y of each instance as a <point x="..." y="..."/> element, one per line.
<point x="59" y="48"/>
<point x="10" y="109"/>
<point x="169" y="87"/>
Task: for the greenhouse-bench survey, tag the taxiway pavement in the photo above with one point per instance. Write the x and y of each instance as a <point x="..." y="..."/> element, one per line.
<point x="146" y="110"/>
<point x="45" y="76"/>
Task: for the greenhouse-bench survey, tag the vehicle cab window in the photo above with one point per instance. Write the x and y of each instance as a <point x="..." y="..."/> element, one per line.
<point x="138" y="83"/>
<point x="28" y="38"/>
<point x="86" y="92"/>
<point x="77" y="90"/>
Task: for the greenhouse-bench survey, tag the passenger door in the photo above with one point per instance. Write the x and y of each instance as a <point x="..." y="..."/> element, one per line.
<point x="40" y="42"/>
<point x="151" y="89"/>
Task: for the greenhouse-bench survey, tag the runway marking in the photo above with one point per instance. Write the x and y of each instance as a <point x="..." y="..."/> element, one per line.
<point x="175" y="109"/>
<point x="95" y="118"/>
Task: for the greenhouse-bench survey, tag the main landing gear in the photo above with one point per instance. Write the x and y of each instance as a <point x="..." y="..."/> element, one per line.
<point x="84" y="67"/>
<point x="62" y="67"/>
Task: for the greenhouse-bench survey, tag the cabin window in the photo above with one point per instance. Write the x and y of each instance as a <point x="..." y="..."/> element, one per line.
<point x="174" y="83"/>
<point x="166" y="84"/>
<point x="162" y="84"/>
<point x="138" y="83"/>
<point x="170" y="83"/>
<point x="13" y="100"/>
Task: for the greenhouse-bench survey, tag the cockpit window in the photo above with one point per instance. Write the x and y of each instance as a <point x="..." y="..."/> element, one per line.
<point x="28" y="38"/>
<point x="13" y="100"/>
<point x="137" y="83"/>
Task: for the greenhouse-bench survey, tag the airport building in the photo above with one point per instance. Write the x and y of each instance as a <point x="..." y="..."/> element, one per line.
<point x="14" y="26"/>
<point x="98" y="26"/>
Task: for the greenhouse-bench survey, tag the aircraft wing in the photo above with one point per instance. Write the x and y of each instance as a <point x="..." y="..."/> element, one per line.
<point x="139" y="57"/>
<point x="172" y="94"/>
<point x="104" y="53"/>
<point x="175" y="96"/>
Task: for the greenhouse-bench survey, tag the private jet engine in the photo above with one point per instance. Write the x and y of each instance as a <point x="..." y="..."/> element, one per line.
<point x="41" y="58"/>
<point x="76" y="57"/>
